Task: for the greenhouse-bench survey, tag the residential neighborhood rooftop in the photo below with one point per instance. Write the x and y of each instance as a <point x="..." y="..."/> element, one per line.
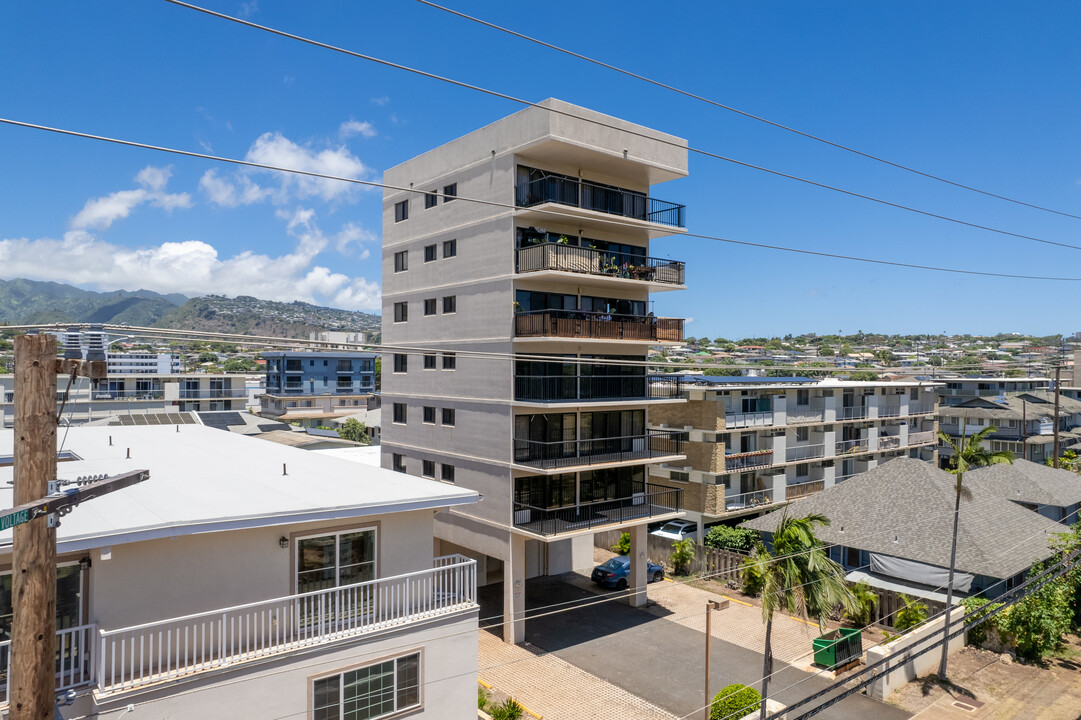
<point x="904" y="508"/>
<point x="203" y="480"/>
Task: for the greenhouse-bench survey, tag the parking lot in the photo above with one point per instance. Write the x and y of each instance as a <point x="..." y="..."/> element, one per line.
<point x="653" y="656"/>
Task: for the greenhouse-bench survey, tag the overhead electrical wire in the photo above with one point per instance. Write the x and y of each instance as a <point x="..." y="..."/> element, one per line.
<point x="744" y="113"/>
<point x="508" y="206"/>
<point x="652" y="138"/>
<point x="265" y="340"/>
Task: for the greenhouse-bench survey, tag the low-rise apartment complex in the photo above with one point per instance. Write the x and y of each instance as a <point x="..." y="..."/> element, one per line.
<point x="754" y="442"/>
<point x="138" y="394"/>
<point x="955" y="391"/>
<point x="313" y="388"/>
<point x="1024" y="423"/>
<point x="246" y="579"/>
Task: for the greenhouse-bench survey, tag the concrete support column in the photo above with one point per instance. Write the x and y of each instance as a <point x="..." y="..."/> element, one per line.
<point x="828" y="476"/>
<point x="829" y="441"/>
<point x="780" y="412"/>
<point x="871" y="403"/>
<point x="780" y="485"/>
<point x="904" y="404"/>
<point x="829" y="408"/>
<point x="636" y="581"/>
<point x="871" y="435"/>
<point x="514" y="591"/>
<point x="780" y="448"/>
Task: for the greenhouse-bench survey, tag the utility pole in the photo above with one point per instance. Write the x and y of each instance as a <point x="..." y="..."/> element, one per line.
<point x="33" y="584"/>
<point x="1024" y="429"/>
<point x="1058" y="373"/>
<point x="710" y="606"/>
<point x="32" y="684"/>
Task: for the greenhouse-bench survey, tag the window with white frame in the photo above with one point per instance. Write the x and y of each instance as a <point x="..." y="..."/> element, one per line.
<point x="335" y="559"/>
<point x="370" y="692"/>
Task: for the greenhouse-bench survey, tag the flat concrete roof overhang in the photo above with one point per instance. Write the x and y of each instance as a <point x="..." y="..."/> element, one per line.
<point x="596" y="466"/>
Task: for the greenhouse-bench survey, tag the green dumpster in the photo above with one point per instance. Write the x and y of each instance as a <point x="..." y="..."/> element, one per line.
<point x="838" y="647"/>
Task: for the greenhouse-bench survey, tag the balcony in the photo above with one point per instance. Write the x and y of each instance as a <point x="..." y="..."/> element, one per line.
<point x="889" y="442"/>
<point x="748" y="500"/>
<point x="571" y="258"/>
<point x="806" y="414"/>
<point x="804" y="452"/>
<point x="921" y="438"/>
<point x="851" y="447"/>
<point x="117" y="661"/>
<point x="745" y="460"/>
<point x="655" y="501"/>
<point x="852" y="412"/>
<point x="748" y="419"/>
<point x="799" y="490"/>
<point x="597" y="326"/>
<point x="595" y="388"/>
<point x="920" y="408"/>
<point x="598" y="451"/>
<point x="570" y="191"/>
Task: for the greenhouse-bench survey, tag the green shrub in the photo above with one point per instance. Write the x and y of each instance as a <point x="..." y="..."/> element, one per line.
<point x="507" y="710"/>
<point x="752" y="576"/>
<point x="978" y="634"/>
<point x="682" y="556"/>
<point x="733" y="702"/>
<point x="1040" y="620"/>
<point x="912" y="614"/>
<point x="623" y="547"/>
<point x="482" y="697"/>
<point x="738" y="539"/>
<point x="866" y="602"/>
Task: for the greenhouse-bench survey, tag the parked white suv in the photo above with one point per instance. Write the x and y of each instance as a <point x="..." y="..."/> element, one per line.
<point x="677" y="530"/>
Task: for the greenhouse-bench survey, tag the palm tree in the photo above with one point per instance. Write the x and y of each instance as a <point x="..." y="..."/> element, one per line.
<point x="967" y="453"/>
<point x="800" y="578"/>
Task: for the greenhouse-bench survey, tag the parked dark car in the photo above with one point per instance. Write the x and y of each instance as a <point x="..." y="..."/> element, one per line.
<point x="614" y="572"/>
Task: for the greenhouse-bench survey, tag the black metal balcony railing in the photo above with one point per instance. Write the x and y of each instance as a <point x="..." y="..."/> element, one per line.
<point x="601" y="326"/>
<point x="656" y="500"/>
<point x="596" y="451"/>
<point x="589" y="196"/>
<point x="572" y="258"/>
<point x="556" y="388"/>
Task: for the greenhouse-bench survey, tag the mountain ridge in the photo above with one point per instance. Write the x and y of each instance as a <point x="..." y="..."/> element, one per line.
<point x="33" y="301"/>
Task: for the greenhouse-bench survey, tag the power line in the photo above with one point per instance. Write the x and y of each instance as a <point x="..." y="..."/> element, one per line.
<point x="699" y="151"/>
<point x="271" y="341"/>
<point x="508" y="206"/>
<point x="744" y="113"/>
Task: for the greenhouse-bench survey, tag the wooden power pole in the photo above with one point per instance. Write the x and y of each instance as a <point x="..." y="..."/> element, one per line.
<point x="33" y="584"/>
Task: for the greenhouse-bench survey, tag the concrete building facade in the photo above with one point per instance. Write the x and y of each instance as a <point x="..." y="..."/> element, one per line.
<point x="756" y="442"/>
<point x="552" y="267"/>
<point x="222" y="588"/>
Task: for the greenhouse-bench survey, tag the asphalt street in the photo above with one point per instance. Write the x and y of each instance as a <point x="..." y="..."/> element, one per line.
<point x="658" y="660"/>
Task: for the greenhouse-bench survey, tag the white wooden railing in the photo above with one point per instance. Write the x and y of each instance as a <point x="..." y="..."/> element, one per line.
<point x="165" y="650"/>
<point x="75" y="650"/>
<point x="132" y="657"/>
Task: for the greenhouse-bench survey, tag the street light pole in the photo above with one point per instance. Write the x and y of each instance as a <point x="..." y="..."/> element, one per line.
<point x="710" y="606"/>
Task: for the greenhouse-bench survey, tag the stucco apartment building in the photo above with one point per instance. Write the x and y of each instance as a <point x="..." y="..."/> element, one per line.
<point x="755" y="442"/>
<point x="554" y="268"/>
<point x="246" y="579"/>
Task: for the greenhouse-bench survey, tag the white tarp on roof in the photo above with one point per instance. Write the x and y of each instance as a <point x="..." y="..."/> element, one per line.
<point x="917" y="572"/>
<point x="900" y="587"/>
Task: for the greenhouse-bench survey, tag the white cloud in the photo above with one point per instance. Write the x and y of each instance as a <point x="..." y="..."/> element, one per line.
<point x="100" y="213"/>
<point x="231" y="194"/>
<point x="381" y="101"/>
<point x="353" y="234"/>
<point x="277" y="150"/>
<point x="352" y="127"/>
<point x="247" y="9"/>
<point x="192" y="267"/>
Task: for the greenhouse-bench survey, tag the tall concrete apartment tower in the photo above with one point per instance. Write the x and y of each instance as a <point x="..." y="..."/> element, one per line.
<point x="514" y="314"/>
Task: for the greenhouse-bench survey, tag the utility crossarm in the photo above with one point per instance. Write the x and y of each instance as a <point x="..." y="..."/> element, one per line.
<point x="63" y="501"/>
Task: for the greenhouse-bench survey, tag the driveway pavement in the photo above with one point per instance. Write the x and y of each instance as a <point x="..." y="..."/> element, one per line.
<point x="651" y="655"/>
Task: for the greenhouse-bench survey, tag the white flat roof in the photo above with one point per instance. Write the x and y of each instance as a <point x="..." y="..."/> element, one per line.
<point x="208" y="480"/>
<point x="365" y="454"/>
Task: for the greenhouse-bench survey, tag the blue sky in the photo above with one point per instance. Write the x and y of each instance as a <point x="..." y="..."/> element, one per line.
<point x="985" y="93"/>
